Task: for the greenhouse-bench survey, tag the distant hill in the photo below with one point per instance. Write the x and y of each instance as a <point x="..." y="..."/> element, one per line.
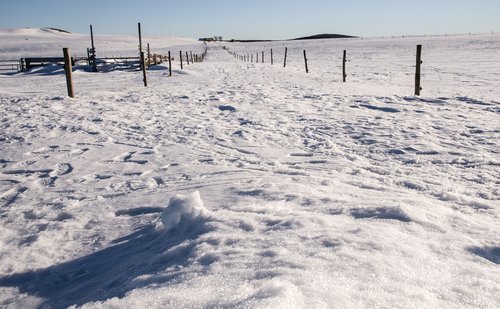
<point x="56" y="29"/>
<point x="312" y="37"/>
<point x="32" y="31"/>
<point x="325" y="36"/>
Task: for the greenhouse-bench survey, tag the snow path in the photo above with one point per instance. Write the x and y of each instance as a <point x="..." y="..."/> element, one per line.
<point x="314" y="198"/>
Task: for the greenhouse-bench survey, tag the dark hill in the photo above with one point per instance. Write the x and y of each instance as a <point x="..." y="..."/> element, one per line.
<point x="324" y="36"/>
<point x="312" y="37"/>
<point x="55" y="30"/>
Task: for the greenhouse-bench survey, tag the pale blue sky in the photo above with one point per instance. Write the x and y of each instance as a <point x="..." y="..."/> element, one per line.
<point x="256" y="19"/>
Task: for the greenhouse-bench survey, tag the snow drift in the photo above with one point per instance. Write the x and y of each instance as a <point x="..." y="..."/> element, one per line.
<point x="184" y="213"/>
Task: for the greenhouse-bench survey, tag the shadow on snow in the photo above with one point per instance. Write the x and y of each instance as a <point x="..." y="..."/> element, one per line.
<point x="113" y="271"/>
<point x="491" y="254"/>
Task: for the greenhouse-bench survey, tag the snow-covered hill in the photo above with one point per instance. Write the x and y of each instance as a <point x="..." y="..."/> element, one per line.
<point x="34" y="42"/>
<point x="234" y="184"/>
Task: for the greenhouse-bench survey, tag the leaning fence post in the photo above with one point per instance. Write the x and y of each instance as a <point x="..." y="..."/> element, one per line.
<point x="344" y="59"/>
<point x="180" y="57"/>
<point x="417" y="70"/>
<point x="144" y="70"/>
<point x="169" y="64"/>
<point x="68" y="68"/>
<point x="305" y="60"/>
<point x="286" y="50"/>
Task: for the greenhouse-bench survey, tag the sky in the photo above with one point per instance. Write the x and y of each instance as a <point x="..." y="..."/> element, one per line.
<point x="256" y="19"/>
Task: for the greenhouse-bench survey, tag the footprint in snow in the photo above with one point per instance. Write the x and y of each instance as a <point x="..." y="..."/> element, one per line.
<point x="124" y="157"/>
<point x="24" y="163"/>
<point x="47" y="181"/>
<point x="10" y="196"/>
<point x="62" y="169"/>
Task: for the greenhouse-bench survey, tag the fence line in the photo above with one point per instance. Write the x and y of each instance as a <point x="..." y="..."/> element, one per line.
<point x="418" y="88"/>
<point x="190" y="58"/>
<point x="145" y="62"/>
<point x="155" y="59"/>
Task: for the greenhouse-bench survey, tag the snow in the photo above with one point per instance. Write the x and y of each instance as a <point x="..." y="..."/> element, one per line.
<point x="234" y="184"/>
<point x="184" y="213"/>
<point x="31" y="42"/>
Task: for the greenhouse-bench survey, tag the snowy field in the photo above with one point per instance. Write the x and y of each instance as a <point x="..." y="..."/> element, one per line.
<point x="240" y="185"/>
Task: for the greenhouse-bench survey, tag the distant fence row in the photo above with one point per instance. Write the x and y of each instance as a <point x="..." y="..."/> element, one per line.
<point x="262" y="57"/>
<point x="144" y="60"/>
<point x="150" y="59"/>
<point x="10" y="65"/>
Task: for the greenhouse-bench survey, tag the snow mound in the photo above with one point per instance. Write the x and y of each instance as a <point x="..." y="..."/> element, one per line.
<point x="184" y="213"/>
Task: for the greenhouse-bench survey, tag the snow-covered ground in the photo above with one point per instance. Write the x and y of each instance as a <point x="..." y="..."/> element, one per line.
<point x="234" y="184"/>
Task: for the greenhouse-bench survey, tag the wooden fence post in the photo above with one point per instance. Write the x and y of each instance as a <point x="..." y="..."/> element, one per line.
<point x="144" y="70"/>
<point x="140" y="42"/>
<point x="169" y="64"/>
<point x="417" y="70"/>
<point x="180" y="57"/>
<point x="149" y="57"/>
<point x="344" y="59"/>
<point x="251" y="56"/>
<point x="286" y="50"/>
<point x="257" y="58"/>
<point x="262" y="57"/>
<point x="272" y="60"/>
<point x="187" y="58"/>
<point x="68" y="68"/>
<point x="92" y="59"/>
<point x="305" y="60"/>
<point x="191" y="56"/>
<point x="21" y="65"/>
